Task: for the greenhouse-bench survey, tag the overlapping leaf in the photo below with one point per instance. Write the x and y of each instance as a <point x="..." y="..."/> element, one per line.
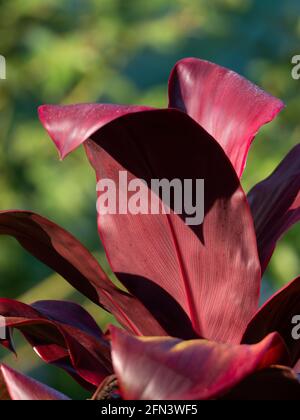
<point x="275" y="204"/>
<point x="63" y="334"/>
<point x="211" y="271"/>
<point x="277" y="315"/>
<point x="229" y="107"/>
<point x="277" y="383"/>
<point x="62" y="252"/>
<point x="185" y="281"/>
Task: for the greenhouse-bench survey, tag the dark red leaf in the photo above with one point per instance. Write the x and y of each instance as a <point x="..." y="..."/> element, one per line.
<point x="277" y="315"/>
<point x="63" y="334"/>
<point x="211" y="270"/>
<point x="168" y="368"/>
<point x="277" y="383"/>
<point x="275" y="204"/>
<point x="65" y="254"/>
<point x="15" y="386"/>
<point x="229" y="107"/>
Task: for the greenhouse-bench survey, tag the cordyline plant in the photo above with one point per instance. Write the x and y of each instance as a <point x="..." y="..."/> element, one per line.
<point x="192" y="328"/>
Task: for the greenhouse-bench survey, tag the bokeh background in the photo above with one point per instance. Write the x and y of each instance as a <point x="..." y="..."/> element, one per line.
<point x="64" y="51"/>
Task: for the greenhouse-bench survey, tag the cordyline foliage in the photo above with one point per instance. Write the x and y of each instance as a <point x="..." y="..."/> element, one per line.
<point x="192" y="326"/>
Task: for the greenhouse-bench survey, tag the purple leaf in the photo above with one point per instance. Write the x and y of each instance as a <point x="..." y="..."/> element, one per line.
<point x="275" y="204"/>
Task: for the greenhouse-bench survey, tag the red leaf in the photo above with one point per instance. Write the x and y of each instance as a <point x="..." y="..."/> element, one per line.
<point x="275" y="204"/>
<point x="212" y="271"/>
<point x="229" y="107"/>
<point x="168" y="368"/>
<point x="67" y="136"/>
<point x="277" y="315"/>
<point x="65" y="254"/>
<point x="15" y="386"/>
<point x="63" y="334"/>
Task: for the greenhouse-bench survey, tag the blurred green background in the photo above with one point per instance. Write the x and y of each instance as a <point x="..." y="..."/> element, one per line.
<point x="64" y="51"/>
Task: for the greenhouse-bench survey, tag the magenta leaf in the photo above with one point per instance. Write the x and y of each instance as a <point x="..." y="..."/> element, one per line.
<point x="210" y="272"/>
<point x="275" y="204"/>
<point x="15" y="386"/>
<point x="62" y="252"/>
<point x="63" y="334"/>
<point x="277" y="315"/>
<point x="168" y="368"/>
<point x="228" y="106"/>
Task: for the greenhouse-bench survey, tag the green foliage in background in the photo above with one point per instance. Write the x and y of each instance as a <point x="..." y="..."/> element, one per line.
<point x="64" y="51"/>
